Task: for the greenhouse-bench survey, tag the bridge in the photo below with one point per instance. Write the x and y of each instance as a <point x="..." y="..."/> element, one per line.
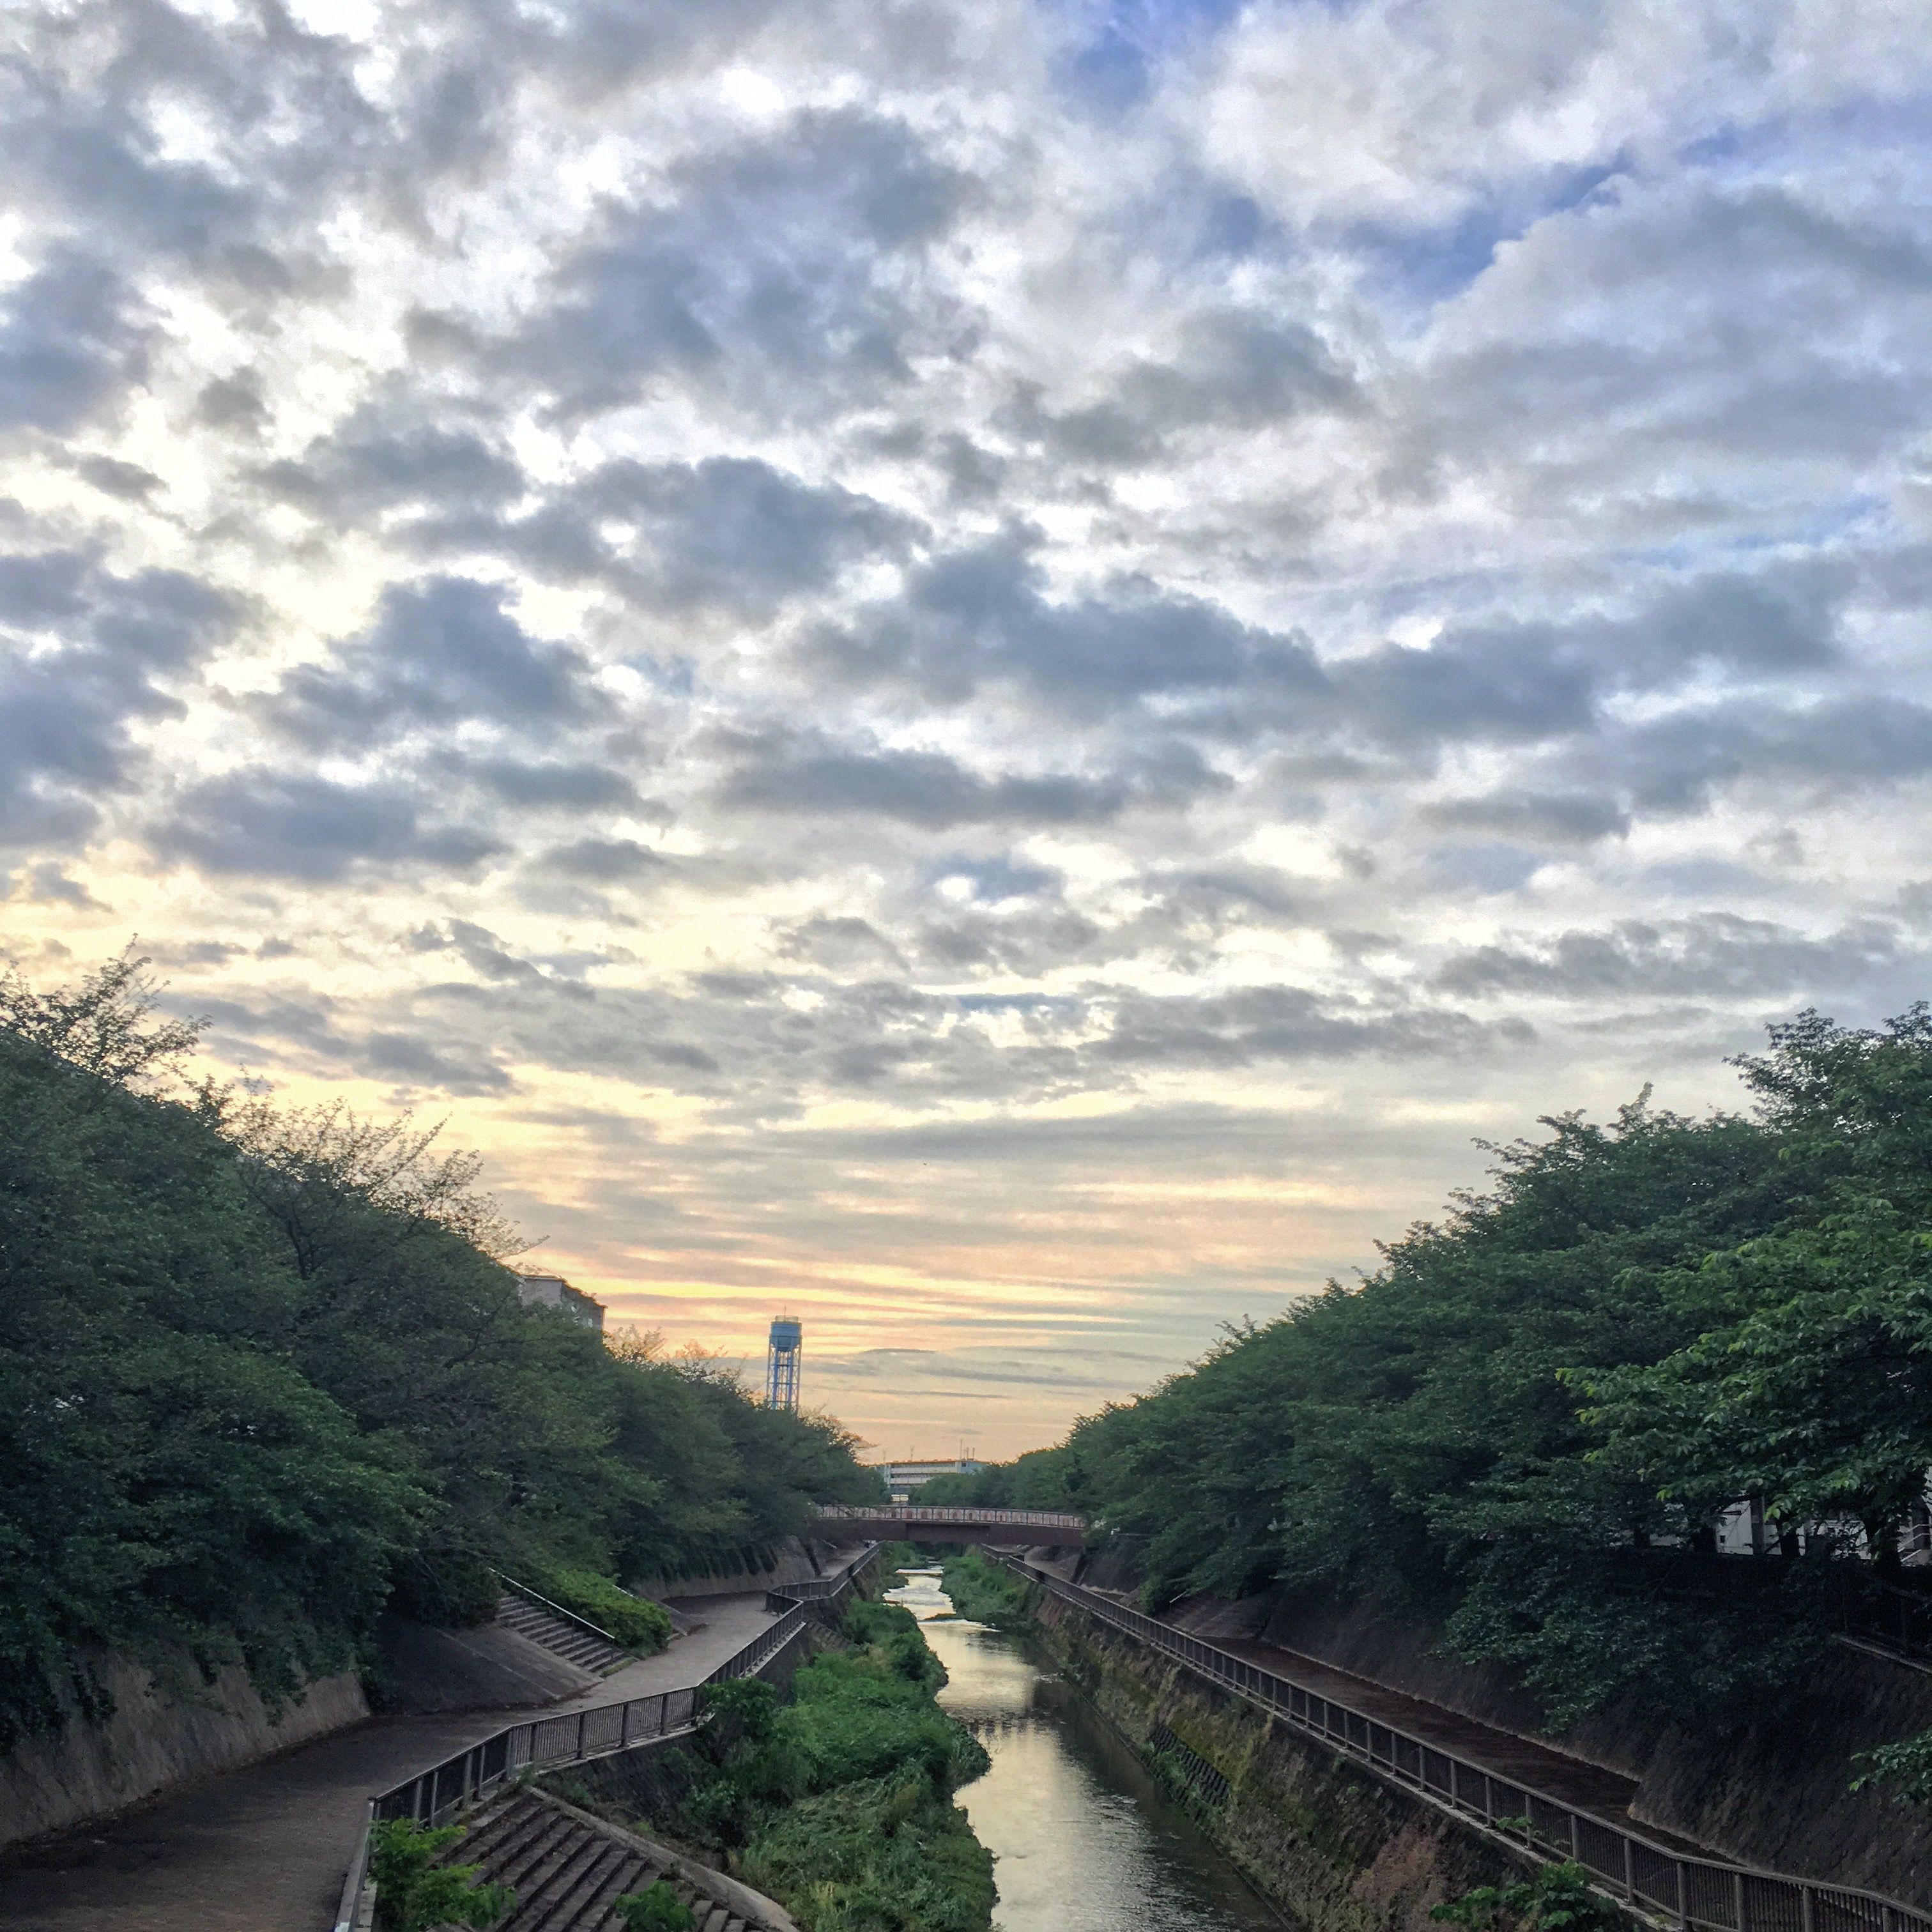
<point x="902" y="1522"/>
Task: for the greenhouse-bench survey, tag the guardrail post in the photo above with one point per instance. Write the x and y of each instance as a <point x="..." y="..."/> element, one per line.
<point x="1683" y="1895"/>
<point x="1575" y="1848"/>
<point x="580" y="1717"/>
<point x="1807" y="1908"/>
<point x="1629" y="1878"/>
<point x="1738" y="1898"/>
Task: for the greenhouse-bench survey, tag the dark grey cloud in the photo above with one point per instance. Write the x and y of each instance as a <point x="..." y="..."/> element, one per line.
<point x="575" y="784"/>
<point x="1677" y="763"/>
<point x="1252" y="1025"/>
<point x="73" y="339"/>
<point x="795" y="773"/>
<point x="266" y="824"/>
<point x="1540" y="818"/>
<point x="84" y="654"/>
<point x="127" y="481"/>
<point x="982" y="615"/>
<point x="777" y="274"/>
<point x="731" y="534"/>
<point x="373" y="462"/>
<point x="439" y="653"/>
<point x="233" y="403"/>
<point x="1232" y="369"/>
<point x="603" y="862"/>
<point x="1713" y="955"/>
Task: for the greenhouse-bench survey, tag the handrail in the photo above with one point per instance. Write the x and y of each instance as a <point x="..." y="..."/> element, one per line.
<point x="598" y="1730"/>
<point x="1696" y="1894"/>
<point x="941" y="1513"/>
<point x="558" y="1610"/>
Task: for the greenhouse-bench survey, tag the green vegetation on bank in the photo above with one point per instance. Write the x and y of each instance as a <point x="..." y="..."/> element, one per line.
<point x="264" y="1372"/>
<point x="414" y="1894"/>
<point x="839" y="1805"/>
<point x="1526" y="1422"/>
<point x="634" y="1621"/>
<point x="982" y="1592"/>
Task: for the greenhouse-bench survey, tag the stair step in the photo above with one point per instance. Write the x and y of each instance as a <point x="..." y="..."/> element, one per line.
<point x="568" y="1871"/>
<point x="582" y="1647"/>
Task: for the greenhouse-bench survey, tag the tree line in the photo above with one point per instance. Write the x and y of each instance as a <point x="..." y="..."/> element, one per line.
<point x="1526" y="1422"/>
<point x="264" y="1373"/>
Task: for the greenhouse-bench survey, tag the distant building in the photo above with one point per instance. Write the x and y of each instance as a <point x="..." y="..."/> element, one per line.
<point x="904" y="1479"/>
<point x="552" y="1291"/>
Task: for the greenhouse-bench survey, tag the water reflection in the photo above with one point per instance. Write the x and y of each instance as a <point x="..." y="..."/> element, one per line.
<point x="1086" y="1841"/>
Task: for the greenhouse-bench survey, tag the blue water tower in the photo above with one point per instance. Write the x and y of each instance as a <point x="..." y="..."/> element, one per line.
<point x="782" y="1363"/>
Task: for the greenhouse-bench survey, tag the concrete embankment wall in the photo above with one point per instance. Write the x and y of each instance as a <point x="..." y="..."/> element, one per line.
<point x="1765" y="1782"/>
<point x="1335" y="1848"/>
<point x="155" y="1739"/>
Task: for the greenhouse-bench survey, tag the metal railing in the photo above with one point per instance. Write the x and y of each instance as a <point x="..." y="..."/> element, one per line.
<point x="1708" y="1895"/>
<point x="536" y="1597"/>
<point x="939" y="1513"/>
<point x="439" y="1791"/>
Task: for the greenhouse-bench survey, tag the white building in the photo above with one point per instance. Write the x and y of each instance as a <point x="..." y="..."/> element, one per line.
<point x="552" y="1291"/>
<point x="904" y="1479"/>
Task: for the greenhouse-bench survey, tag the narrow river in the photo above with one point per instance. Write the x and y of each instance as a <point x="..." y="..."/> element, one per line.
<point x="1086" y="1841"/>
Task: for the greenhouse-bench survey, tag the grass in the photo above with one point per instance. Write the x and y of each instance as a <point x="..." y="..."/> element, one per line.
<point x="985" y="1593"/>
<point x="839" y="1805"/>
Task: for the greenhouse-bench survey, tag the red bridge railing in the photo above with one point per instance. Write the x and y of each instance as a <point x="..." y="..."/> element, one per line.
<point x="941" y="1513"/>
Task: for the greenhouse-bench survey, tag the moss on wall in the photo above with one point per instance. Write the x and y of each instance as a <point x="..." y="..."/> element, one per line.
<point x="1335" y="1848"/>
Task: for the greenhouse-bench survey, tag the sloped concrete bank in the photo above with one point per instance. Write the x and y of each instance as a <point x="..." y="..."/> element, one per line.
<point x="796" y="1560"/>
<point x="162" y="1731"/>
<point x="1766" y="1783"/>
<point x="1332" y="1846"/>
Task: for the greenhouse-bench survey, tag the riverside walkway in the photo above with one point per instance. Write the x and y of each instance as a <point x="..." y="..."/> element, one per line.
<point x="263" y="1849"/>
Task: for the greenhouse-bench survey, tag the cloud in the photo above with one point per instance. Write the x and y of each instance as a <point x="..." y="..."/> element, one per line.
<point x="783" y="272"/>
<point x="788" y="774"/>
<point x="1230" y="369"/>
<point x="982" y="615"/>
<point x="72" y="339"/>
<point x="85" y="655"/>
<point x="947" y="611"/>
<point x="1713" y="954"/>
<point x="1541" y="818"/>
<point x="440" y="653"/>
<point x="264" y="824"/>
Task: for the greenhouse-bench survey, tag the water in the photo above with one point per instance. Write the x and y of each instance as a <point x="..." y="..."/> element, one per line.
<point x="1085" y="1839"/>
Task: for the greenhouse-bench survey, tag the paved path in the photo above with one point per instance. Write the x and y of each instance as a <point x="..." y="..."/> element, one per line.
<point x="264" y="1848"/>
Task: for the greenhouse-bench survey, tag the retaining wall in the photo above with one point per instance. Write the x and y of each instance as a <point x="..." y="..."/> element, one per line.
<point x="154" y="1739"/>
<point x="1767" y="1782"/>
<point x="796" y="1560"/>
<point x="1335" y="1848"/>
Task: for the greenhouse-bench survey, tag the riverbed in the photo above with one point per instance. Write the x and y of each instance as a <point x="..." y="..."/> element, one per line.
<point x="1085" y="1839"/>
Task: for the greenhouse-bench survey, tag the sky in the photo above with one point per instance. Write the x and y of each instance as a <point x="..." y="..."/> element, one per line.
<point x="996" y="673"/>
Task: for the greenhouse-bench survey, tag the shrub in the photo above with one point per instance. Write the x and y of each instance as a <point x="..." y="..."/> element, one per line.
<point x="1557" y="1899"/>
<point x="657" y="1909"/>
<point x="1906" y="1765"/>
<point x="636" y="1622"/>
<point x="414" y="1894"/>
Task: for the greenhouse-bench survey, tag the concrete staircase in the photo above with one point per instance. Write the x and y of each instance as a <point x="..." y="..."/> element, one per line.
<point x="567" y="1869"/>
<point x="572" y="1641"/>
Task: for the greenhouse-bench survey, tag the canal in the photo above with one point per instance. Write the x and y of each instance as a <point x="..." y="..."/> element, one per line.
<point x="1085" y="1839"/>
